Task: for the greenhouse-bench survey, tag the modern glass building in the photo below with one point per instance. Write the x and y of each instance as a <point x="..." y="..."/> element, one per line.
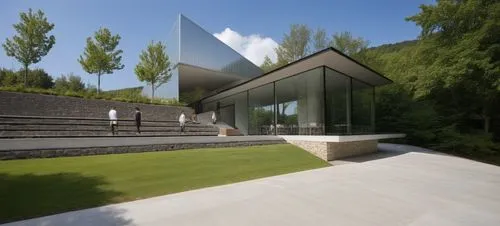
<point x="326" y="93"/>
<point x="201" y="63"/>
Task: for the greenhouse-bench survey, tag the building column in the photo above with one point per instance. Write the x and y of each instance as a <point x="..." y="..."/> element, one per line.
<point x="349" y="106"/>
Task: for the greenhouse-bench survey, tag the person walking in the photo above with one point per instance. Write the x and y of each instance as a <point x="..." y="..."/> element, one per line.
<point x="113" y="121"/>
<point x="138" y="118"/>
<point x="182" y="121"/>
<point x="214" y="117"/>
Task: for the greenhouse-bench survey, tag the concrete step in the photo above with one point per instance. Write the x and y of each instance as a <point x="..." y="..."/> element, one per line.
<point x="69" y="127"/>
<point x="95" y="123"/>
<point x="35" y="126"/>
<point x="36" y="134"/>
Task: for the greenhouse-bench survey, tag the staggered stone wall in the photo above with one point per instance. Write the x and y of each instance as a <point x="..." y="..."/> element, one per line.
<point x="27" y="104"/>
<point x="329" y="151"/>
<point x="69" y="152"/>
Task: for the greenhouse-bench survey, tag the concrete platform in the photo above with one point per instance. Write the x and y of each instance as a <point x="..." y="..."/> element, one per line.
<point x="401" y="185"/>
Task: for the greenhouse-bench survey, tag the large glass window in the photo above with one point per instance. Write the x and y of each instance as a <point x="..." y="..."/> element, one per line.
<point x="300" y="104"/>
<point x="261" y="110"/>
<point x="362" y="107"/>
<point x="337" y="89"/>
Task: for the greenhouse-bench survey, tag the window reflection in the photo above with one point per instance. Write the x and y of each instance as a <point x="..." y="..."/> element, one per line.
<point x="300" y="104"/>
<point x="261" y="110"/>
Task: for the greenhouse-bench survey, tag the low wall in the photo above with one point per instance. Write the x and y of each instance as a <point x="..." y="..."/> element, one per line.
<point x="329" y="151"/>
<point x="70" y="152"/>
<point x="28" y="104"/>
<point x="331" y="148"/>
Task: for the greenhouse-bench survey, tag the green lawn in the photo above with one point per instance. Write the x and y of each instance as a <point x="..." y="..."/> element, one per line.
<point x="37" y="187"/>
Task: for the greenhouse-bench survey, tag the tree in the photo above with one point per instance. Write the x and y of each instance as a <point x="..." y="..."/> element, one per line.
<point x="294" y="45"/>
<point x="267" y="65"/>
<point x="8" y="77"/>
<point x="71" y="82"/>
<point x="154" y="66"/>
<point x="100" y="56"/>
<point x="320" y="41"/>
<point x="347" y="44"/>
<point x="32" y="41"/>
<point x="39" y="78"/>
<point x="460" y="47"/>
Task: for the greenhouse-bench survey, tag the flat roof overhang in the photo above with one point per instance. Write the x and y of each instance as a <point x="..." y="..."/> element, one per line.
<point x="329" y="57"/>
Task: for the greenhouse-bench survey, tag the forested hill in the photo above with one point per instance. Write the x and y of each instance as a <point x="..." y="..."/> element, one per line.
<point x="446" y="91"/>
<point x="393" y="47"/>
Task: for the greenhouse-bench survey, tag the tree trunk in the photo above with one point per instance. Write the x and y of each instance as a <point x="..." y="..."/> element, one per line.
<point x="486" y="120"/>
<point x="25" y="75"/>
<point x="98" y="83"/>
<point x="152" y="92"/>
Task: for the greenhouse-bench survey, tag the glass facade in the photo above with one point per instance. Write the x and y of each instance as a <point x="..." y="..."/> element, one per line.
<point x="337" y="102"/>
<point x="321" y="101"/>
<point x="261" y="110"/>
<point x="299" y="102"/>
<point x="202" y="49"/>
<point x="201" y="63"/>
<point x="362" y="108"/>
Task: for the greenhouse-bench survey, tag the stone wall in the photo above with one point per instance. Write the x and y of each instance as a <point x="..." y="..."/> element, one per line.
<point x="329" y="151"/>
<point x="348" y="149"/>
<point x="314" y="147"/>
<point x="69" y="152"/>
<point x="27" y="104"/>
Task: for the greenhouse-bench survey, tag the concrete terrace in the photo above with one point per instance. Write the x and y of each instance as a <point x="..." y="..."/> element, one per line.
<point x="400" y="185"/>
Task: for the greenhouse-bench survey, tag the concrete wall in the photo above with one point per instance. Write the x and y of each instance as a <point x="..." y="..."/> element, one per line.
<point x="59" y="106"/>
<point x="329" y="151"/>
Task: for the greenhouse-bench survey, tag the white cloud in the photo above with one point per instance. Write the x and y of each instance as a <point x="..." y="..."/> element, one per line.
<point x="253" y="47"/>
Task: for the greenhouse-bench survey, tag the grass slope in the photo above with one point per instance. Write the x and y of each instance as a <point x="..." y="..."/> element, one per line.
<point x="38" y="187"/>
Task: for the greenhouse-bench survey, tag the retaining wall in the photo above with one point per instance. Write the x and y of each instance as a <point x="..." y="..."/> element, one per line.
<point x="28" y="104"/>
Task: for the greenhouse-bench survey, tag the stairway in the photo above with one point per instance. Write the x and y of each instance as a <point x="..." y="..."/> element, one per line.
<point x="39" y="126"/>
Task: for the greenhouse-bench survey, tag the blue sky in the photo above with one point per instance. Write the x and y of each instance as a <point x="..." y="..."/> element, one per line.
<point x="139" y="22"/>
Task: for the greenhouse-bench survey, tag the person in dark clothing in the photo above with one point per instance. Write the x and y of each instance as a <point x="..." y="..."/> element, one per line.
<point x="138" y="117"/>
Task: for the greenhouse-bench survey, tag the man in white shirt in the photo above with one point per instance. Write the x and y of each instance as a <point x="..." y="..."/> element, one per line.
<point x="214" y="118"/>
<point x="113" y="120"/>
<point x="182" y="121"/>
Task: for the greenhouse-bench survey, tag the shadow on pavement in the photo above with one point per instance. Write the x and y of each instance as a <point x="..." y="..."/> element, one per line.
<point x="30" y="195"/>
<point x="385" y="151"/>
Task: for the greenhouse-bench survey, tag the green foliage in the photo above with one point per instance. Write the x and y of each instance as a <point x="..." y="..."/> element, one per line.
<point x="31" y="42"/>
<point x="460" y="48"/>
<point x="100" y="56"/>
<point x="8" y="77"/>
<point x="320" y="41"/>
<point x="267" y="65"/>
<point x="154" y="66"/>
<point x="91" y="93"/>
<point x="295" y="44"/>
<point x="446" y="94"/>
<point x="127" y="92"/>
<point x="347" y="44"/>
<point x="37" y="78"/>
<point x="69" y="83"/>
<point x="258" y="117"/>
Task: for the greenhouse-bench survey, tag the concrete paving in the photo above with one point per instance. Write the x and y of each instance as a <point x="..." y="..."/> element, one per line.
<point x="400" y="186"/>
<point x="61" y="143"/>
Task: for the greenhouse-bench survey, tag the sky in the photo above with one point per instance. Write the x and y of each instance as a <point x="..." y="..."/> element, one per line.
<point x="253" y="28"/>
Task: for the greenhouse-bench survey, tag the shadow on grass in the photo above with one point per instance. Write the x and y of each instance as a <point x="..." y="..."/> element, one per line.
<point x="29" y="195"/>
